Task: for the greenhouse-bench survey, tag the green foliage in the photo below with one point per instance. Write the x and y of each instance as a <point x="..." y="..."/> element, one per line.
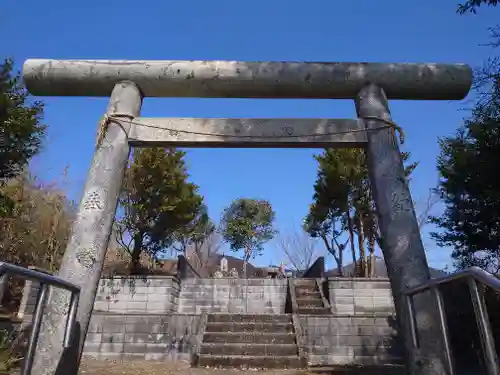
<point x="195" y="232"/>
<point x="342" y="201"/>
<point x="472" y="5"/>
<point x="247" y="224"/>
<point x="470" y="189"/>
<point x="157" y="200"/>
<point x="21" y="133"/>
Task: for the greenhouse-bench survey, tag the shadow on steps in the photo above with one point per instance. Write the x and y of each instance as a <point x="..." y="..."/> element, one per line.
<point x="355" y="370"/>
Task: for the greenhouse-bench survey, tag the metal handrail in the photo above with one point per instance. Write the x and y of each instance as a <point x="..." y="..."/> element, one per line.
<point x="473" y="276"/>
<point x="45" y="281"/>
<point x="475" y="272"/>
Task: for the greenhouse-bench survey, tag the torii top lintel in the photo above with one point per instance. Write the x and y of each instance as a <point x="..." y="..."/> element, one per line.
<point x="235" y="79"/>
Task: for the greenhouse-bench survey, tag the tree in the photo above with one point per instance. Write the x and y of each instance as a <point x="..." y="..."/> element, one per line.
<point x="201" y="254"/>
<point x="247" y="224"/>
<point x="472" y="5"/>
<point x="157" y="201"/>
<point x="194" y="232"/>
<point x="343" y="203"/>
<point x="37" y="230"/>
<point x="21" y="131"/>
<point x="299" y="249"/>
<point x="470" y="190"/>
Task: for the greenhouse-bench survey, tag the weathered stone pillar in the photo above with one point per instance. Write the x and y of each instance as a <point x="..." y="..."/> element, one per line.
<point x="84" y="257"/>
<point x="402" y="246"/>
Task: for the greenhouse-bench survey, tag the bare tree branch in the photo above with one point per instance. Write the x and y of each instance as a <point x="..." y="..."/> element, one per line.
<point x="299" y="249"/>
<point x="425" y="209"/>
<point x="201" y="254"/>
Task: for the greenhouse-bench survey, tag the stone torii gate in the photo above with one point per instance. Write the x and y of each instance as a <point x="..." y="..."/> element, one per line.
<point x="128" y="82"/>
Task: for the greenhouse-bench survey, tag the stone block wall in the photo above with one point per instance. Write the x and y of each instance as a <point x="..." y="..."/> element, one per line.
<point x="149" y="295"/>
<point x="330" y="340"/>
<point x="122" y="294"/>
<point x="253" y="296"/>
<point x="150" y="337"/>
<point x="360" y="296"/>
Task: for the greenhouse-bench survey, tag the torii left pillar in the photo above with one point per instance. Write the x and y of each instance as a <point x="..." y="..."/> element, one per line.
<point x="84" y="256"/>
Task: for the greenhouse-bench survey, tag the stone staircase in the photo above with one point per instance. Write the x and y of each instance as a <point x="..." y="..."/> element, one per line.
<point x="308" y="296"/>
<point x="249" y="341"/>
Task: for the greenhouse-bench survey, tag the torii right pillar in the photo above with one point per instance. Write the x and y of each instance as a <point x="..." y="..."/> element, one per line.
<point x="403" y="250"/>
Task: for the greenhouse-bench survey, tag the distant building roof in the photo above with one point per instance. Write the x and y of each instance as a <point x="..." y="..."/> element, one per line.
<point x="380" y="270"/>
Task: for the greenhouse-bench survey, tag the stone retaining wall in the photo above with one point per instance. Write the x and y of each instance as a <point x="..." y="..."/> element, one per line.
<point x="122" y="294"/>
<point x="358" y="296"/>
<point x="150" y="337"/>
<point x="349" y="340"/>
<point x="152" y="294"/>
<point x="227" y="295"/>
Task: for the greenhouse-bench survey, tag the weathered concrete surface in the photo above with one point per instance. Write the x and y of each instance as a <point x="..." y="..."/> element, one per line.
<point x="237" y="79"/>
<point x="156" y="294"/>
<point x="84" y="256"/>
<point x="403" y="249"/>
<point x="237" y="132"/>
<point x="150" y="337"/>
<point x="254" y="296"/>
<point x="223" y="344"/>
<point x="349" y="340"/>
<point x="360" y="297"/>
<point x="130" y="294"/>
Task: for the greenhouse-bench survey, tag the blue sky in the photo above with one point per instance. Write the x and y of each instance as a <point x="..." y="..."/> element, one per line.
<point x="316" y="30"/>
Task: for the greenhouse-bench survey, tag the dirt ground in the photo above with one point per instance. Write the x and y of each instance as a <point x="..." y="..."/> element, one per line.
<point x="109" y="367"/>
<point x="101" y="367"/>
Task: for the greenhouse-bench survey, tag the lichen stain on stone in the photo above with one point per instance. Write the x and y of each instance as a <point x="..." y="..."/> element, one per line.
<point x="86" y="258"/>
<point x="60" y="303"/>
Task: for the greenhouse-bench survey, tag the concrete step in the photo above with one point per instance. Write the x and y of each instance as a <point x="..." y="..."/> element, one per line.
<point x="313" y="310"/>
<point x="305" y="302"/>
<point x="306" y="291"/>
<point x="249" y="349"/>
<point x="250" y="318"/>
<point x="205" y="360"/>
<point x="391" y="369"/>
<point x="249" y="327"/>
<point x="356" y="330"/>
<point x="246" y="337"/>
<point x="308" y="295"/>
<point x="306" y="282"/>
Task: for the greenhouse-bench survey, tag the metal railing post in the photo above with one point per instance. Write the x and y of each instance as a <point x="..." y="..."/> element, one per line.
<point x="45" y="281"/>
<point x="35" y="328"/>
<point x="483" y="323"/>
<point x="444" y="328"/>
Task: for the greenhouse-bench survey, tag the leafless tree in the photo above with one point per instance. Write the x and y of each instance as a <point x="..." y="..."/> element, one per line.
<point x="298" y="248"/>
<point x="425" y="208"/>
<point x="201" y="254"/>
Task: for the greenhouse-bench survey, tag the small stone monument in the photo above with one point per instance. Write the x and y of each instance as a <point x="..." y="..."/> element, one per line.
<point x="233" y="273"/>
<point x="223" y="264"/>
<point x="218" y="274"/>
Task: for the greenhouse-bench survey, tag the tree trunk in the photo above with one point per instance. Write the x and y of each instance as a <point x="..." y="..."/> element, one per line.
<point x="338" y="258"/>
<point x="136" y="253"/>
<point x="361" y="245"/>
<point x="371" y="250"/>
<point x="340" y="264"/>
<point x="246" y="257"/>
<point x="351" y="240"/>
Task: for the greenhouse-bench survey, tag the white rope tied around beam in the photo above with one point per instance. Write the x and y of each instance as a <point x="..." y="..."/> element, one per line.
<point x="119" y="117"/>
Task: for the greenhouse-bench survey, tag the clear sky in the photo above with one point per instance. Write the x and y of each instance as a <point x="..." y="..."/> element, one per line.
<point x="316" y="30"/>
